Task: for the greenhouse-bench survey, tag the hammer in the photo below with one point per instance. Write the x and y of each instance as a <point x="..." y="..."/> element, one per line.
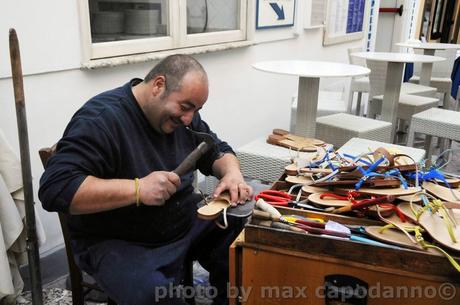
<point x="189" y="162"/>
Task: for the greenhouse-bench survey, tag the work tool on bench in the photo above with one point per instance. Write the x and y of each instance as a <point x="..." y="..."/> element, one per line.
<point x="280" y="225"/>
<point x="31" y="241"/>
<point x="276" y="198"/>
<point x="316" y="230"/>
<point x="312" y="227"/>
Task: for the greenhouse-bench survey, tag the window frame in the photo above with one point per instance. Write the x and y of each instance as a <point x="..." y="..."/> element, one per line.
<point x="177" y="39"/>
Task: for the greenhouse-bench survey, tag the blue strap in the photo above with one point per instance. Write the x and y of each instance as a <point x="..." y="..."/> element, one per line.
<point x="370" y="173"/>
<point x="360" y="160"/>
<point x="366" y="173"/>
<point x="432" y="174"/>
<point x="325" y="158"/>
<point x="391" y="173"/>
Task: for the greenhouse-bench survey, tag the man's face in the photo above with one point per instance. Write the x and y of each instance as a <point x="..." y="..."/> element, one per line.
<point x="167" y="112"/>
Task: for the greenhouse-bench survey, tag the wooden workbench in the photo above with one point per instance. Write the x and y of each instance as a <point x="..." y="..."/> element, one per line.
<point x="272" y="266"/>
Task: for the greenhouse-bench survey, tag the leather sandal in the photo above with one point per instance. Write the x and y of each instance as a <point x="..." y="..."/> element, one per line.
<point x="436" y="219"/>
<point x="212" y="209"/>
<point x="287" y="135"/>
<point x="344" y="202"/>
<point x="283" y="138"/>
<point x="442" y="192"/>
<point x="404" y="237"/>
<point x="400" y="191"/>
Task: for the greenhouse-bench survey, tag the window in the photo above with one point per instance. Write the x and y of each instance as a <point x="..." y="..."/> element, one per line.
<point x="124" y="27"/>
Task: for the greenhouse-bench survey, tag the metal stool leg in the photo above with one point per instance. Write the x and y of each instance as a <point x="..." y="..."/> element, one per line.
<point x="358" y="103"/>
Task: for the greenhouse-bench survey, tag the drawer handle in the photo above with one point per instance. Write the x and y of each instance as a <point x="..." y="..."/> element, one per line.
<point x="345" y="289"/>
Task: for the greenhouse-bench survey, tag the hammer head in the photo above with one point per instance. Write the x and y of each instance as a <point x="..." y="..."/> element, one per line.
<point x="207" y="138"/>
<point x="203" y="136"/>
<point x="207" y="143"/>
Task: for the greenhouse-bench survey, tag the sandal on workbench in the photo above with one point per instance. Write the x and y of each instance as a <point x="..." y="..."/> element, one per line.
<point x="436" y="219"/>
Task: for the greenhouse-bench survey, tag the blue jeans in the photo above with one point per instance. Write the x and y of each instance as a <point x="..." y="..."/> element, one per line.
<point x="138" y="274"/>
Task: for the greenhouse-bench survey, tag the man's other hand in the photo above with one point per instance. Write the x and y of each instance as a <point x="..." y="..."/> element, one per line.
<point x="239" y="191"/>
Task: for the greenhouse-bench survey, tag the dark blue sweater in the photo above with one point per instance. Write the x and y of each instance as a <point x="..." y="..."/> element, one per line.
<point x="110" y="137"/>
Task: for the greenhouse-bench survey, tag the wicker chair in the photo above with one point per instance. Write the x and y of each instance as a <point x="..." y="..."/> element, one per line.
<point x="441" y="75"/>
<point x="358" y="84"/>
<point x="435" y="122"/>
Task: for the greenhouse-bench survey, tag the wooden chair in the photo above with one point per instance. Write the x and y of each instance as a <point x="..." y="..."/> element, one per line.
<point x="80" y="287"/>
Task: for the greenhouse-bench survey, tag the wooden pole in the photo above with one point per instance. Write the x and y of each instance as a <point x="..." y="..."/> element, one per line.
<point x="31" y="241"/>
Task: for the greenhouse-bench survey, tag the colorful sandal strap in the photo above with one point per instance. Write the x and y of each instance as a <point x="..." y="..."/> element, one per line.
<point x="435" y="206"/>
<point x="419" y="238"/>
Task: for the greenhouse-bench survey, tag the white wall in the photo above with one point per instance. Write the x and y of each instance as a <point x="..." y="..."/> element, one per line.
<point x="243" y="103"/>
<point x="393" y="28"/>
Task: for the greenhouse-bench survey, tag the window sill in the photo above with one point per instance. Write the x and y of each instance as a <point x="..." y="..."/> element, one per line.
<point x="145" y="57"/>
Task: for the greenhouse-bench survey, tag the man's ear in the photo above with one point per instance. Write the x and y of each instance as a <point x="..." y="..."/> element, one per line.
<point x="158" y="85"/>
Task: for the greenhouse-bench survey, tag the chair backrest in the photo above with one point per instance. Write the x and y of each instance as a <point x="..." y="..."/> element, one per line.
<point x="377" y="78"/>
<point x="75" y="273"/>
<point x="355" y="60"/>
<point x="442" y="68"/>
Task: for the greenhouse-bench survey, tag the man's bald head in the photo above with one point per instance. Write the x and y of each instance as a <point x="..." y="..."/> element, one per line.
<point x="174" y="68"/>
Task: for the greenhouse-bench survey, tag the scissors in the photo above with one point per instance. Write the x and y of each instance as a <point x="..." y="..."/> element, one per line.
<point x="276" y="198"/>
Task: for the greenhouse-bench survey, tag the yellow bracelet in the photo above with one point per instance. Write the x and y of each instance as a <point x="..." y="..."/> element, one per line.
<point x="136" y="185"/>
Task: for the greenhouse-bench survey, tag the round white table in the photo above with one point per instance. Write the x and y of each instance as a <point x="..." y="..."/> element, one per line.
<point x="394" y="77"/>
<point x="309" y="73"/>
<point x="429" y="48"/>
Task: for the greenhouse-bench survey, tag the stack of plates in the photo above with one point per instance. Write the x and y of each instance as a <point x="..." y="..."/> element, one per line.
<point x="142" y="22"/>
<point x="107" y="22"/>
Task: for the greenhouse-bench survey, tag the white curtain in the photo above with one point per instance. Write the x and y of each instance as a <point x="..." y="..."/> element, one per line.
<point x="12" y="224"/>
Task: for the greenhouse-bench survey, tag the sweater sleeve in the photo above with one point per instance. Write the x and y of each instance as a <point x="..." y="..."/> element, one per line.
<point x="205" y="163"/>
<point x="85" y="149"/>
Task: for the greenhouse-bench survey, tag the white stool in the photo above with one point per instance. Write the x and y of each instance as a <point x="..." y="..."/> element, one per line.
<point x="435" y="122"/>
<point x="408" y="105"/>
<point x="357" y="146"/>
<point x="338" y="128"/>
<point x="265" y="162"/>
<point x="419" y="90"/>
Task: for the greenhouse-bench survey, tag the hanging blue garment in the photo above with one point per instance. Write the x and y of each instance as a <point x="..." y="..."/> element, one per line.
<point x="455" y="78"/>
<point x="408" y="72"/>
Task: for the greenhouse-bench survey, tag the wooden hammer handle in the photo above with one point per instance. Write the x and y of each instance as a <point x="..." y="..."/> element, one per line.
<point x="190" y="161"/>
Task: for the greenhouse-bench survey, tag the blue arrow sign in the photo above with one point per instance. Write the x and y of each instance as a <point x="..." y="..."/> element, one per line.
<point x="278" y="10"/>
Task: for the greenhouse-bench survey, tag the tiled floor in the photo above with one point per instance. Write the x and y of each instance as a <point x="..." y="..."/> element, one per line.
<point x="55" y="293"/>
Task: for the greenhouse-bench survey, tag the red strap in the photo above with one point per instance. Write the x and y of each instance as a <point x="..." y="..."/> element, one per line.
<point x="351" y="195"/>
<point x="396" y="209"/>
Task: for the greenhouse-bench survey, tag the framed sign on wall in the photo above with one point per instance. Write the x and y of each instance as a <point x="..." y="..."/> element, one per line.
<point x="274" y="13"/>
<point x="345" y="20"/>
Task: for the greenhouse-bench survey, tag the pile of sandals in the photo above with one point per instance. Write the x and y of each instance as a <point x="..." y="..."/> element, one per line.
<point x="417" y="204"/>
